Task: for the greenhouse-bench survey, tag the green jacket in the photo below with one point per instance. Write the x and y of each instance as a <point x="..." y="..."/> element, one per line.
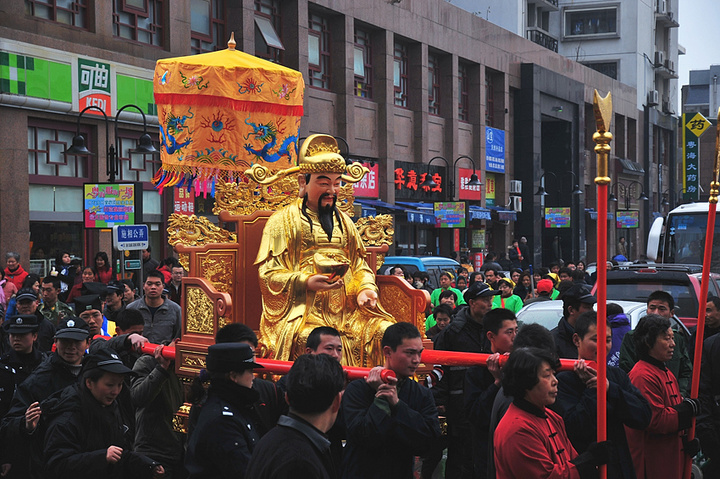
<point x="55" y="313"/>
<point x="435" y="296"/>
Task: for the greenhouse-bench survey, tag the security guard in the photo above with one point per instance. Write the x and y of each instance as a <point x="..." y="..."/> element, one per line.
<point x="227" y="430"/>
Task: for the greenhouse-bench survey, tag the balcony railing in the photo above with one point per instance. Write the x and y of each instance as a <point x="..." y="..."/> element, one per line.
<point x="541" y="38"/>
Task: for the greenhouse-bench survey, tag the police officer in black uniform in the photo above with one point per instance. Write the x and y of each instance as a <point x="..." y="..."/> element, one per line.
<point x="227" y="430"/>
<point x="24" y="356"/>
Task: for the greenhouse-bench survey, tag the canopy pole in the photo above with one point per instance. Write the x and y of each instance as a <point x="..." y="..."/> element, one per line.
<point x="602" y="137"/>
<point x="707" y="259"/>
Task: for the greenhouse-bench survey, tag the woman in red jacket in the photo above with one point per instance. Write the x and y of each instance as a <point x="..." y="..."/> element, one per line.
<point x="659" y="450"/>
<point x="103" y="270"/>
<point x="530" y="440"/>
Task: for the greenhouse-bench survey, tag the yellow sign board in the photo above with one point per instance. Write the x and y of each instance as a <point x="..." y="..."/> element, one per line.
<point x="698" y="124"/>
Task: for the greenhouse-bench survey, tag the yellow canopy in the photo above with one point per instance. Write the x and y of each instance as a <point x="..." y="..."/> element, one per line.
<point x="222" y="112"/>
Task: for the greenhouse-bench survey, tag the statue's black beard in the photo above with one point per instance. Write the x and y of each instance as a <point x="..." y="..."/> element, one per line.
<point x="326" y="214"/>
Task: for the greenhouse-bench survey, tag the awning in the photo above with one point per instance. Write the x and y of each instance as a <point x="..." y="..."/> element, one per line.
<point x="593" y="214"/>
<point x="478" y="213"/>
<point x="367" y="210"/>
<point x="417" y="206"/>
<point x="503" y="214"/>
<point x="379" y="204"/>
<point x="632" y="167"/>
<point x="417" y="216"/>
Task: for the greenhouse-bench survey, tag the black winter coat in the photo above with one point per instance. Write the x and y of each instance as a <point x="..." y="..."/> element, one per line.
<point x="226" y="433"/>
<point x="563" y="334"/>
<point x="293" y="450"/>
<point x="382" y="441"/>
<point x="51" y="376"/>
<point x="467" y="335"/>
<point x="626" y="406"/>
<point x="79" y="433"/>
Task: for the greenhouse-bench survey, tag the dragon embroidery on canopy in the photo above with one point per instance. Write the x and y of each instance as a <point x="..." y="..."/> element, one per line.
<point x="267" y="134"/>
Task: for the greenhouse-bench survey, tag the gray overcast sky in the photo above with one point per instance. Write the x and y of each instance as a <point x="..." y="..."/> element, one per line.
<point x="699" y="20"/>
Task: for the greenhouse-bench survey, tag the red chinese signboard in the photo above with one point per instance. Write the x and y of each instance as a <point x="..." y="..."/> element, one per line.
<point x="184" y="201"/>
<point x="468" y="192"/>
<point x="409" y="179"/>
<point x="368" y="186"/>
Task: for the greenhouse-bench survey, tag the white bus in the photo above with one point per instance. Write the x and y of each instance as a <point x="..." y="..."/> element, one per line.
<point x="680" y="237"/>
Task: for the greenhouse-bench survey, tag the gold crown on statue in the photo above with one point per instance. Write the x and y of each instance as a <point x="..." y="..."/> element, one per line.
<point x="318" y="154"/>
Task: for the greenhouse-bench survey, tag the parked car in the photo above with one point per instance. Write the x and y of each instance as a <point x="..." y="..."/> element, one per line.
<point x="433" y="265"/>
<point x="548" y="313"/>
<point x="635" y="283"/>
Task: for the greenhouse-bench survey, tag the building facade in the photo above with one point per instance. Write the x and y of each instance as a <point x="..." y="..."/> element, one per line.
<point x="417" y="89"/>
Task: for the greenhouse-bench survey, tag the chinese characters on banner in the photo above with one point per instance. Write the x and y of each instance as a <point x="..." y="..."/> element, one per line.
<point x="489" y="189"/>
<point x="694" y="126"/>
<point x="468" y="192"/>
<point x="409" y="177"/>
<point x="494" y="150"/>
<point x="184" y="201"/>
<point x="110" y="204"/>
<point x="94" y="86"/>
<point x="368" y="186"/>
<point x="557" y="217"/>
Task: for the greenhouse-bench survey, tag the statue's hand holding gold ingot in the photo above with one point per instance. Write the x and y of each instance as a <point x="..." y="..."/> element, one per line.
<point x="320" y="282"/>
<point x="367" y="298"/>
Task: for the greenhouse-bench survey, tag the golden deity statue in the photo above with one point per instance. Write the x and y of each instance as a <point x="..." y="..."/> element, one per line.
<point x="312" y="266"/>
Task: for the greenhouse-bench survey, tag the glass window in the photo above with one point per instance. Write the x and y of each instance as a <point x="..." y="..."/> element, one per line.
<point x="489" y="100"/>
<point x="143" y="25"/>
<point x="268" y="32"/>
<point x="463" y="88"/>
<point x="400" y="74"/>
<point x="606" y="68"/>
<point x="319" y="51"/>
<point x="433" y="84"/>
<point x="363" y="64"/>
<point x="67" y="12"/>
<point x="134" y="166"/>
<point x="591" y="22"/>
<point x="207" y="25"/>
<point x="46" y="153"/>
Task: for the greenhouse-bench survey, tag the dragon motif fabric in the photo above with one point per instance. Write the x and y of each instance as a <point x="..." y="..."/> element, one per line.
<point x="222" y="112"/>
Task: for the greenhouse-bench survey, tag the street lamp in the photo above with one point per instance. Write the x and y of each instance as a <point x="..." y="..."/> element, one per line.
<point x="625" y="191"/>
<point x="430" y="183"/>
<point x="144" y="146"/>
<point x="541" y="189"/>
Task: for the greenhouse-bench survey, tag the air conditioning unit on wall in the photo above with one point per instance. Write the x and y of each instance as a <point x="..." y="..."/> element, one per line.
<point x="515" y="187"/>
<point x="659" y="58"/>
<point x="653" y="97"/>
<point x="516" y="203"/>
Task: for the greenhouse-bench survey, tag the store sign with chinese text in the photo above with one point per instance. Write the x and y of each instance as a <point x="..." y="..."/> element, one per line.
<point x="94" y="87"/>
<point x="450" y="215"/>
<point x="694" y="126"/>
<point x="184" y="201"/>
<point x="468" y="192"/>
<point x="478" y="239"/>
<point x="368" y="186"/>
<point x="557" y="217"/>
<point x="489" y="189"/>
<point x="627" y="219"/>
<point x="494" y="150"/>
<point x="410" y="176"/>
<point x="112" y="204"/>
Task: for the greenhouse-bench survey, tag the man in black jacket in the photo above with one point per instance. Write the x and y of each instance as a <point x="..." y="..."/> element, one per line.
<point x="389" y="421"/>
<point x="60" y="370"/>
<point x="298" y="445"/>
<point x="576" y="300"/>
<point x="465" y="333"/>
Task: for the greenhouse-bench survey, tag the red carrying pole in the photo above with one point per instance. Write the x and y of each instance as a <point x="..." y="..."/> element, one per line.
<point x="705" y="282"/>
<point x="429" y="356"/>
<point x="602" y="137"/>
